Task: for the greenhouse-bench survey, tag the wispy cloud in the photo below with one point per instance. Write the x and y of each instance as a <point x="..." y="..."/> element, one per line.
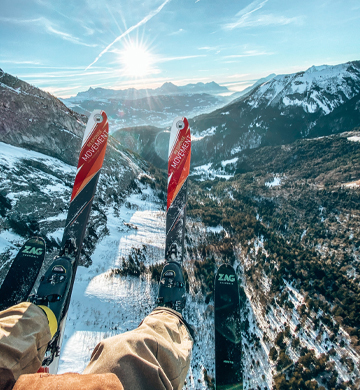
<point x="180" y="31"/>
<point x="19" y="21"/>
<point x="247" y="17"/>
<point x="237" y="76"/>
<point x="245" y="14"/>
<point x="129" y="30"/>
<point x="250" y="53"/>
<point x="67" y="36"/>
<point x="17" y="62"/>
<point x="209" y="48"/>
<point x="49" y="27"/>
<point x="179" y="58"/>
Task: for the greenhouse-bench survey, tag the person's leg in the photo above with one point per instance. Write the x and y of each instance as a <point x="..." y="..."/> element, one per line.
<point x="156" y="355"/>
<point x="24" y="336"/>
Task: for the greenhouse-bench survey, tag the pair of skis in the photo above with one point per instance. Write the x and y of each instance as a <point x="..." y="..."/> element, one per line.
<point x="26" y="266"/>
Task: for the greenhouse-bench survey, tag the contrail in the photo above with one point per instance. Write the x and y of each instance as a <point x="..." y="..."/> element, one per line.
<point x="128" y="31"/>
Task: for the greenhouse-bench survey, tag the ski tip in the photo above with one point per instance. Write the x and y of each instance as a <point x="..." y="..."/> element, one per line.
<point x="180" y="131"/>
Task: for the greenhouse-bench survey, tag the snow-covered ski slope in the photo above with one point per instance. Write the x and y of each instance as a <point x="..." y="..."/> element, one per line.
<point x="103" y="305"/>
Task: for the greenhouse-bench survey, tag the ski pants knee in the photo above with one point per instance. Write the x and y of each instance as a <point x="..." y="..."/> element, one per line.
<point x="24" y="336"/>
<point x="156" y="355"/>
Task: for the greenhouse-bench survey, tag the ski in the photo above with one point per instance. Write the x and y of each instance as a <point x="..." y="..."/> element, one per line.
<point x="64" y="267"/>
<point x="178" y="172"/>
<point x="23" y="273"/>
<point x="228" y="370"/>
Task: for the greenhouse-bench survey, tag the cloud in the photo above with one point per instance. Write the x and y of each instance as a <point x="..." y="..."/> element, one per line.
<point x="17" y="62"/>
<point x="180" y="31"/>
<point x="245" y="14"/>
<point x="247" y="17"/>
<point x="237" y="76"/>
<point x="66" y="36"/>
<point x="250" y="53"/>
<point x="251" y="8"/>
<point x="129" y="30"/>
<point x="179" y="58"/>
<point x="19" y="21"/>
<point x="48" y="27"/>
<point x="209" y="48"/>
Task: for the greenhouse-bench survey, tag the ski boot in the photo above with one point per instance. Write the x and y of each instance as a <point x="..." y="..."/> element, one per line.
<point x="172" y="291"/>
<point x="54" y="286"/>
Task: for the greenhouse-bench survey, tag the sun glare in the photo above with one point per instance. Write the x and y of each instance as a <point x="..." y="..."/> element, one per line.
<point x="136" y="60"/>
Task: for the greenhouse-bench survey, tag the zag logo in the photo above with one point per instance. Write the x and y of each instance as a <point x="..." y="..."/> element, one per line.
<point x="32" y="250"/>
<point x="227" y="278"/>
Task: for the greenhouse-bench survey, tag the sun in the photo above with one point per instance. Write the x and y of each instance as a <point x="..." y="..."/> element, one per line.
<point x="137" y="60"/>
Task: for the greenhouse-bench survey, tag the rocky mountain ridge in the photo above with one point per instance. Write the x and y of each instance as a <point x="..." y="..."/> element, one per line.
<point x="284" y="109"/>
<point x="31" y="118"/>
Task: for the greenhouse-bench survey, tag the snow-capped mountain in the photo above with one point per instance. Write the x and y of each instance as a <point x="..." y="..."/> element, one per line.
<point x="246" y="91"/>
<point x="286" y="108"/>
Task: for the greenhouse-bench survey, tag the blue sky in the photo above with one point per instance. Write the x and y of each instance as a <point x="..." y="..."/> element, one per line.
<point x="66" y="47"/>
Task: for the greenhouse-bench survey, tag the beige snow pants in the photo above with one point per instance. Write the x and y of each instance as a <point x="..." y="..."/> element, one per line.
<point x="156" y="355"/>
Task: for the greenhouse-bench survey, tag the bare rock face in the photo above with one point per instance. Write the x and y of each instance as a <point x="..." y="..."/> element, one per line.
<point x="33" y="119"/>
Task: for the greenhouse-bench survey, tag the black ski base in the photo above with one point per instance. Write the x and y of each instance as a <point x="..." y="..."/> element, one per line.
<point x="175" y="227"/>
<point x="228" y="367"/>
<point x="23" y="273"/>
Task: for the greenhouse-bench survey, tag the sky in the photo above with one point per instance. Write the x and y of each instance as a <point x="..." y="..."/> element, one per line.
<point x="67" y="47"/>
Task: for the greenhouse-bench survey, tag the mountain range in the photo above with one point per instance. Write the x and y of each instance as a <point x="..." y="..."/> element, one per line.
<point x="134" y="94"/>
<point x="133" y="107"/>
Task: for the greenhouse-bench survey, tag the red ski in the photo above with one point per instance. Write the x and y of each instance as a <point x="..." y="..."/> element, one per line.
<point x="91" y="159"/>
<point x="178" y="172"/>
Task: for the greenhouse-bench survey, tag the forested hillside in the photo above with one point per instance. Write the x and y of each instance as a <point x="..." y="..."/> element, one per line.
<point x="290" y="216"/>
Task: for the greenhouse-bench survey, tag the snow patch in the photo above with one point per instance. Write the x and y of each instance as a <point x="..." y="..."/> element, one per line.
<point x="227" y="162"/>
<point x="207" y="173"/>
<point x="354" y="138"/>
<point x="205" y="133"/>
<point x="216" y="229"/>
<point x="274" y="183"/>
